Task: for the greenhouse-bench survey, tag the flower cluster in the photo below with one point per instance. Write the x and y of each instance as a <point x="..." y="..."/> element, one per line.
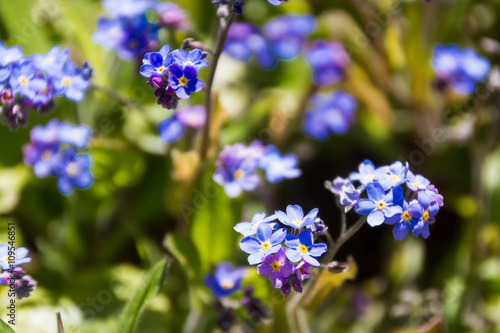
<point x="225" y="281"/>
<point x="328" y="61"/>
<point x="12" y="274"/>
<point x="173" y="75"/>
<point x="385" y="202"/>
<point x="129" y="32"/>
<point x="53" y="151"/>
<point x="332" y="113"/>
<point x="172" y="128"/>
<point x="283" y="257"/>
<point x="237" y="164"/>
<point x="30" y="83"/>
<point x="283" y="37"/>
<point x="459" y="69"/>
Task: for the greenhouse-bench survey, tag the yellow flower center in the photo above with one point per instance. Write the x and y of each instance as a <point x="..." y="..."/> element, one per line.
<point x="49" y="60"/>
<point x="380" y="205"/>
<point x="183" y="81"/>
<point x="265" y="245"/>
<point x="303" y="249"/>
<point x="276" y="266"/>
<point x="369" y="177"/>
<point x="72" y="169"/>
<point x="161" y="69"/>
<point x="425" y="215"/>
<point x="46" y="155"/>
<point x="227" y="284"/>
<point x="66" y="81"/>
<point x="297" y="223"/>
<point x="394" y="178"/>
<point x="238" y="174"/>
<point x="415" y="185"/>
<point x="23" y="80"/>
<point x="406" y="216"/>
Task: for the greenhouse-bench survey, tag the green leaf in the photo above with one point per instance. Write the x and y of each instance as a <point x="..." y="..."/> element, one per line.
<point x="185" y="253"/>
<point x="4" y="328"/>
<point x="149" y="288"/>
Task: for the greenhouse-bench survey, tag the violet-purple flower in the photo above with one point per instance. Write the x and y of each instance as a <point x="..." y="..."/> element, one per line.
<point x="276" y="267"/>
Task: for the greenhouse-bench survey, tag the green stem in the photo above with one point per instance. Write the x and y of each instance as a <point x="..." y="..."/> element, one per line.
<point x="117" y="96"/>
<point x="224" y="28"/>
<point x="345" y="237"/>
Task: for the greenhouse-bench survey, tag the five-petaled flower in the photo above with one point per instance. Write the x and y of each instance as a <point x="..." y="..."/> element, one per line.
<point x="379" y="206"/>
<point x="184" y="80"/>
<point x="303" y="247"/>
<point x="295" y="218"/>
<point x="225" y="280"/>
<point x="250" y="228"/>
<point x="265" y="242"/>
<point x="276" y="267"/>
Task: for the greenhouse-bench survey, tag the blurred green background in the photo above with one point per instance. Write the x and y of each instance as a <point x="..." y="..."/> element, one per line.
<point x="93" y="248"/>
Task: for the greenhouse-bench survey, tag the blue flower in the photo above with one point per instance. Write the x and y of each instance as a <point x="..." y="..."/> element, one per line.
<point x="237" y="177"/>
<point x="193" y="58"/>
<point x="295" y="218"/>
<point x="73" y="171"/>
<point x="156" y="63"/>
<point x="397" y="173"/>
<point x="303" y="248"/>
<point x="42" y="152"/>
<point x="277" y="167"/>
<point x="368" y="174"/>
<point x="225" y="280"/>
<point x="331" y="113"/>
<point x="52" y="62"/>
<point x="380" y="206"/>
<point x="184" y="80"/>
<point x="250" y="228"/>
<point x="402" y="222"/>
<point x="328" y="61"/>
<point x="189" y="116"/>
<point x="24" y="81"/>
<point x="276" y="2"/>
<point x="75" y="135"/>
<point x="128" y="8"/>
<point x="287" y="34"/>
<point x="349" y="196"/>
<point x="10" y="55"/>
<point x="245" y="40"/>
<point x="460" y="69"/>
<point x="266" y="242"/>
<point x="70" y="83"/>
<point x="416" y="183"/>
<point x="21" y="256"/>
<point x="422" y="212"/>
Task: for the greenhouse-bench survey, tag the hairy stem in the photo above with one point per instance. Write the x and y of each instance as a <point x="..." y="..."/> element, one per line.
<point x="224" y="28"/>
<point x="344" y="237"/>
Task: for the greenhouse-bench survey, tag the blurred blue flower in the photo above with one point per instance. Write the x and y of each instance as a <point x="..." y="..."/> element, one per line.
<point x="245" y="40"/>
<point x="42" y="152"/>
<point x="11" y="55"/>
<point x="225" y="280"/>
<point x="75" y="135"/>
<point x="70" y="83"/>
<point x="52" y="62"/>
<point x="250" y="228"/>
<point x="328" y="61"/>
<point x="303" y="248"/>
<point x="380" y="206"/>
<point x="460" y="69"/>
<point x="237" y="177"/>
<point x="278" y="167"/>
<point x="265" y="242"/>
<point x="416" y="183"/>
<point x="22" y="80"/>
<point x="128" y="8"/>
<point x="184" y="80"/>
<point x="331" y="113"/>
<point x="287" y="34"/>
<point x="276" y="267"/>
<point x="295" y="218"/>
<point x="72" y="171"/>
<point x="21" y="256"/>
